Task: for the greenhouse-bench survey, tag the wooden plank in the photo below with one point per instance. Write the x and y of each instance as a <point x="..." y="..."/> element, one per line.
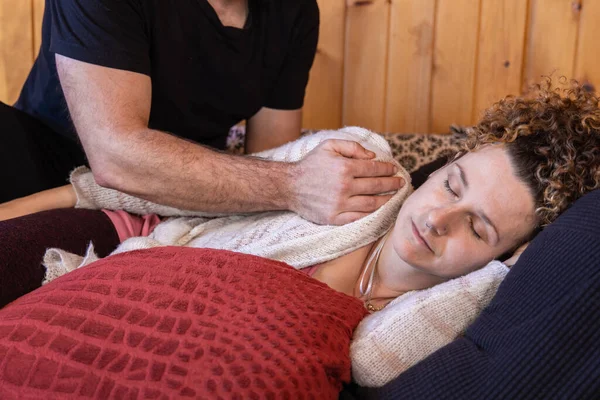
<point x="552" y="39"/>
<point x="500" y="53"/>
<point x="455" y="51"/>
<point x="408" y="88"/>
<point x="587" y="61"/>
<point x="16" y="43"/>
<point x="323" y="103"/>
<point x="365" y="62"/>
<point x="38" y="14"/>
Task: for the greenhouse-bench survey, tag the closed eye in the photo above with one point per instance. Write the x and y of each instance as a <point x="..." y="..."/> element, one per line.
<point x="449" y="189"/>
<point x="477" y="236"/>
<point x="454" y="194"/>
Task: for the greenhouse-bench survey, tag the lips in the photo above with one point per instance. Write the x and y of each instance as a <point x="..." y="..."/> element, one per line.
<point x="420" y="238"/>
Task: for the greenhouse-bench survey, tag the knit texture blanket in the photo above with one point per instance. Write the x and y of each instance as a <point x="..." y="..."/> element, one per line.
<point x="418" y="323"/>
<point x="178" y="323"/>
<point x="278" y="235"/>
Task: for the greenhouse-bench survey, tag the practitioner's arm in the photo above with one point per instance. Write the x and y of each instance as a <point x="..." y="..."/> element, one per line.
<point x="337" y="183"/>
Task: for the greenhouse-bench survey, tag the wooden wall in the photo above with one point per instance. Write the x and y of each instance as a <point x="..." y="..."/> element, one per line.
<point x="400" y="65"/>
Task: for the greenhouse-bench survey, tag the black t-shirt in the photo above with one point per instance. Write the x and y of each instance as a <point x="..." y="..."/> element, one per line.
<point x="205" y="77"/>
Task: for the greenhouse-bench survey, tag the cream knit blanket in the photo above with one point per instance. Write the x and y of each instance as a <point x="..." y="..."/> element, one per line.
<point x="278" y="235"/>
<point x="418" y="323"/>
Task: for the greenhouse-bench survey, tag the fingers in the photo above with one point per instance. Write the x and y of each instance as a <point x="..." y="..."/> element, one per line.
<point x="365" y="186"/>
<point x="365" y="168"/>
<point x="348" y="148"/>
<point x="359" y="159"/>
<point x="338" y="182"/>
<point x="366" y="204"/>
<point x="356" y="207"/>
<point x="360" y="207"/>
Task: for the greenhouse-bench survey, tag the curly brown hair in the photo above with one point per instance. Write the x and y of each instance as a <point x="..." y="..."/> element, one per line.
<point x="552" y="136"/>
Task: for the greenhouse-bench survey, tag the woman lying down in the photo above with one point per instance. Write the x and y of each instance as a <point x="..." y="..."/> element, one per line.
<point x="187" y="322"/>
<point x="523" y="164"/>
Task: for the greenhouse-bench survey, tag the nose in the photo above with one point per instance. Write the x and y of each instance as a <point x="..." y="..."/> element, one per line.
<point x="440" y="219"/>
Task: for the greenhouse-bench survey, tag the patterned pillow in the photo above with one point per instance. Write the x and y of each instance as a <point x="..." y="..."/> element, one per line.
<point x="411" y="150"/>
<point x="416" y="150"/>
<point x="176" y="322"/>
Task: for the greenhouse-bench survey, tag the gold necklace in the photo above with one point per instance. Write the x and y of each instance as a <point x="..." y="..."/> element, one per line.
<point x="368" y="291"/>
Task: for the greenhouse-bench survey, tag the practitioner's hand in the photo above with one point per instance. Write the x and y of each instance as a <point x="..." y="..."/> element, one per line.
<point x="338" y="182"/>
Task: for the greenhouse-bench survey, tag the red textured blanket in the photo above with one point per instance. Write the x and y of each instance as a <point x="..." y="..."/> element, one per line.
<point x="178" y="322"/>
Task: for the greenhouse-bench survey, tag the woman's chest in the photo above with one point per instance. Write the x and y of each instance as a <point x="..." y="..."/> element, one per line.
<point x="342" y="273"/>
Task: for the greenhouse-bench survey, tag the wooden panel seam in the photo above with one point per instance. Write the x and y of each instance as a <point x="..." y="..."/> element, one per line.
<point x="525" y="46"/>
<point x="433" y="44"/>
<point x="474" y="112"/>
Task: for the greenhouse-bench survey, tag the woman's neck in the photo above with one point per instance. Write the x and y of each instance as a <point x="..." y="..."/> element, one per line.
<point x="406" y="278"/>
<point x="344" y="274"/>
<point x="379" y="269"/>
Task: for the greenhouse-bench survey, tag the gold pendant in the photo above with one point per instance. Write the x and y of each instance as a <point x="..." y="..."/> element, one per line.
<point x="372" y="308"/>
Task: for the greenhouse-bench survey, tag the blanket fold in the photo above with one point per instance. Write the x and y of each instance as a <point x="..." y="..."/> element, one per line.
<point x="278" y="235"/>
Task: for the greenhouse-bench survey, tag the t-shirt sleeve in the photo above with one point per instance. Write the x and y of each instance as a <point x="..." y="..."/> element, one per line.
<point x="289" y="90"/>
<point x="110" y="33"/>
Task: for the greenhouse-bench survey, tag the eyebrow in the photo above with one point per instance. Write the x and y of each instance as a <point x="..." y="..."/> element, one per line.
<point x="462" y="175"/>
<point x="463" y="178"/>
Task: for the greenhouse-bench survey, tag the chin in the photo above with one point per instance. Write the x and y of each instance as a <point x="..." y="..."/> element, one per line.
<point x="409" y="254"/>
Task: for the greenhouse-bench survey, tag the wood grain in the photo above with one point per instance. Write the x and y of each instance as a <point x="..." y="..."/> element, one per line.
<point x="500" y="52"/>
<point x="400" y="65"/>
<point x="323" y="102"/>
<point x="38" y="14"/>
<point x="365" y="63"/>
<point x="552" y="40"/>
<point x="455" y="52"/>
<point x="16" y="43"/>
<point x="408" y="88"/>
<point x="587" y="60"/>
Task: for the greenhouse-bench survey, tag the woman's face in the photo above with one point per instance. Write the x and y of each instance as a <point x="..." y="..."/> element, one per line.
<point x="465" y="215"/>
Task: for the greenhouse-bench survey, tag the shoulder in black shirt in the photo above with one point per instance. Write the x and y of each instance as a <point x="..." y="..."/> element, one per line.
<point x="205" y="77"/>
